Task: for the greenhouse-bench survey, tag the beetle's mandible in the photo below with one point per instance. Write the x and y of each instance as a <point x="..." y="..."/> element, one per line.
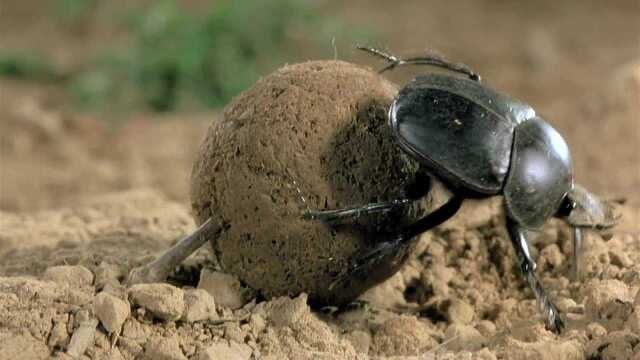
<point x="480" y="143"/>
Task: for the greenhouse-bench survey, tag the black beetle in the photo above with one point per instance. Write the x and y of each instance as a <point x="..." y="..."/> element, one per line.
<point x="480" y="143"/>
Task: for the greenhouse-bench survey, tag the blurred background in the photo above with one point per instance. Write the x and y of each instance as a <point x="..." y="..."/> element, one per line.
<point x="101" y="96"/>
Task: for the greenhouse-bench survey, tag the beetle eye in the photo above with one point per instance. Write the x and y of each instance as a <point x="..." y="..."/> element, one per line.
<point x="566" y="207"/>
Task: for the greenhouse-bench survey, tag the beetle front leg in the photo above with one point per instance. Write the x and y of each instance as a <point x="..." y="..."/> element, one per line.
<point x="354" y="213"/>
<point x="520" y="242"/>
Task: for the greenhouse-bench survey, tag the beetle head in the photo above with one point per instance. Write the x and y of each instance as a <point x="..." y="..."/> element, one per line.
<point x="584" y="209"/>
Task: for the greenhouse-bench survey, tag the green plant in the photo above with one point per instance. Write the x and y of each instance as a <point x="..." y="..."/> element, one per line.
<point x="177" y="57"/>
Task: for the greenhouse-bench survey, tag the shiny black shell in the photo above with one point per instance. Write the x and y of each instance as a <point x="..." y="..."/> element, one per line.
<point x="483" y="142"/>
<point x="540" y="174"/>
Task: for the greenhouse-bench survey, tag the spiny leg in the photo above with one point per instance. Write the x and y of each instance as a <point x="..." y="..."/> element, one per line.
<point x="159" y="269"/>
<point x="528" y="266"/>
<point x="367" y="260"/>
<point x="430" y="60"/>
<point x="353" y="213"/>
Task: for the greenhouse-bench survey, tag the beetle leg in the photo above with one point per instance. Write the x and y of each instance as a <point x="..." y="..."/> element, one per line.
<point x="395" y="247"/>
<point x="353" y="213"/>
<point x="160" y="268"/>
<point x="577" y="247"/>
<point x="519" y="239"/>
<point x="430" y="60"/>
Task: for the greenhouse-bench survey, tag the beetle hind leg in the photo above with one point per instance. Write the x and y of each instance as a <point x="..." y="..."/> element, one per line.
<point x="430" y="60"/>
<point x="528" y="267"/>
<point x="395" y="250"/>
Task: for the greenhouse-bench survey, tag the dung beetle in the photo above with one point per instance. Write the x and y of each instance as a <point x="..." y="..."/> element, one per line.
<point x="477" y="142"/>
<point x="480" y="143"/>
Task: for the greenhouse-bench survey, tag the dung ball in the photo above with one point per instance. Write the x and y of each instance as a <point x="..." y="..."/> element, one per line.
<point x="313" y="135"/>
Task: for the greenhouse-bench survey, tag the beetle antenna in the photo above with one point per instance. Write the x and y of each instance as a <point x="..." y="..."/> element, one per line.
<point x="429" y="60"/>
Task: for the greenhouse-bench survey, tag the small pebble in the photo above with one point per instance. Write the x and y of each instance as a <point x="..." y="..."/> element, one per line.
<point x="226" y="350"/>
<point x="162" y="300"/>
<point x="225" y="288"/>
<point x="111" y="311"/>
<point x="82" y="338"/>
<point x="199" y="305"/>
<point x="159" y="348"/>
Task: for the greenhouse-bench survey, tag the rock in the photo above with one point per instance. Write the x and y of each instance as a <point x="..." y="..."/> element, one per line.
<point x="636" y="301"/>
<point x="403" y="335"/>
<point x="199" y="305"/>
<point x="257" y="324"/>
<point x="286" y="312"/>
<point x="226" y="351"/>
<point x="162" y="300"/>
<point x="160" y="348"/>
<point x="225" y="288"/>
<point x="460" y="337"/>
<point x="460" y="312"/>
<point x="59" y="335"/>
<point x="74" y="276"/>
<point x="22" y="347"/>
<point x="111" y="311"/>
<point x="82" y="338"/>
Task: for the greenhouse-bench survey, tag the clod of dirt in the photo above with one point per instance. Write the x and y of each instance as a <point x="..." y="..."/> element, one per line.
<point x="161" y="348"/>
<point x="199" y="305"/>
<point x="311" y="135"/>
<point x="460" y="337"/>
<point x="460" y="312"/>
<point x="111" y="311"/>
<point x="361" y="340"/>
<point x="403" y="335"/>
<point x="82" y="338"/>
<point x="162" y="300"/>
<point x="601" y="295"/>
<point x="74" y="276"/>
<point x="225" y="288"/>
<point x="226" y="350"/>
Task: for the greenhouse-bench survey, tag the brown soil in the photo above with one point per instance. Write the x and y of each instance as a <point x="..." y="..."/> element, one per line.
<point x="458" y="296"/>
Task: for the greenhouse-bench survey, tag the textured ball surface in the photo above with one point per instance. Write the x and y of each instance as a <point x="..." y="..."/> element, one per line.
<point x="312" y="135"/>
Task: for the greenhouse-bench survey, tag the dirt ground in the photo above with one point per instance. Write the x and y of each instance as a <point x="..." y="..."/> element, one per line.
<point x="81" y="203"/>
